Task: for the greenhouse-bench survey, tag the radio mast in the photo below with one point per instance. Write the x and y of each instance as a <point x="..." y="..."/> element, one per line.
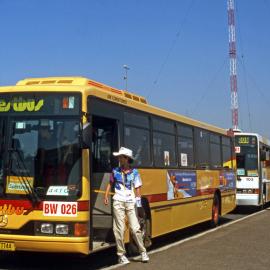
<point x="232" y="55"/>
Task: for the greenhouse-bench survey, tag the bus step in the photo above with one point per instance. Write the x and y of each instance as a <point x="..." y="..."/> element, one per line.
<point x="97" y="245"/>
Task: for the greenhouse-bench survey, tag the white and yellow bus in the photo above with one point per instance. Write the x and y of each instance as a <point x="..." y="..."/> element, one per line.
<point x="253" y="169"/>
<point x="57" y="136"/>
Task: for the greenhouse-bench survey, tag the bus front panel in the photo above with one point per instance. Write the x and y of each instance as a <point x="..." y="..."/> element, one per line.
<point x="248" y="180"/>
<point x="42" y="205"/>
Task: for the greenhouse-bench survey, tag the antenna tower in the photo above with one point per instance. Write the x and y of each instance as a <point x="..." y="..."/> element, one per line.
<point x="232" y="55"/>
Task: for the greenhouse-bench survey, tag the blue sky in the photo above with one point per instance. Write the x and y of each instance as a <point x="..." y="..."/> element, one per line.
<point x="177" y="51"/>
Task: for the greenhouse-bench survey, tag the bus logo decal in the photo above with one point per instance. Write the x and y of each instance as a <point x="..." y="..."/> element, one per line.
<point x="3" y="219"/>
<point x="20" y="105"/>
<point x="10" y="209"/>
<point x="6" y="210"/>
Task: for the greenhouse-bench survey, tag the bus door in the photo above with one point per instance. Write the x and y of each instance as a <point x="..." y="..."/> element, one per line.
<point x="104" y="143"/>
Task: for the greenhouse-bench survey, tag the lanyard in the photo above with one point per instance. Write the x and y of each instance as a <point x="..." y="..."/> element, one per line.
<point x="123" y="180"/>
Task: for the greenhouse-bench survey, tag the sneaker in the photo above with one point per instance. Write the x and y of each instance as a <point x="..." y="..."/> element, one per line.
<point x="123" y="260"/>
<point x="144" y="257"/>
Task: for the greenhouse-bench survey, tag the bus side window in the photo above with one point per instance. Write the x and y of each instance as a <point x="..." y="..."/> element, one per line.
<point x="227" y="153"/>
<point x="202" y="144"/>
<point x="185" y="145"/>
<point x="138" y="140"/>
<point x="215" y="151"/>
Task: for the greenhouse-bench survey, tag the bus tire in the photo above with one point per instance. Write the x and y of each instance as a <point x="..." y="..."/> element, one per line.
<point x="145" y="225"/>
<point x="215" y="211"/>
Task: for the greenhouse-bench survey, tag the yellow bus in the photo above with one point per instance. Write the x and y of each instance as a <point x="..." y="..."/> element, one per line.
<point x="57" y="136"/>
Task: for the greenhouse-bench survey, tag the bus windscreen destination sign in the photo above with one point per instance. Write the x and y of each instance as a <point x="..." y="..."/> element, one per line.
<point x="40" y="104"/>
<point x="245" y="140"/>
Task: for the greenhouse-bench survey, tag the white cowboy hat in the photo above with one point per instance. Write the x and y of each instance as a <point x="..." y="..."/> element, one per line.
<point x="124" y="152"/>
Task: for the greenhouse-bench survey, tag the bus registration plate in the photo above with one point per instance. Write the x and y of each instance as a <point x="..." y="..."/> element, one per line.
<point x="7" y="246"/>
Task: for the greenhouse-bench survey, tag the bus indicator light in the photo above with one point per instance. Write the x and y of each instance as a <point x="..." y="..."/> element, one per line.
<point x="81" y="229"/>
<point x="65" y="103"/>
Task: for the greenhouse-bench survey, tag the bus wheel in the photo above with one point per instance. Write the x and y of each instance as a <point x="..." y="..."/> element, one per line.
<point x="145" y="225"/>
<point x="215" y="211"/>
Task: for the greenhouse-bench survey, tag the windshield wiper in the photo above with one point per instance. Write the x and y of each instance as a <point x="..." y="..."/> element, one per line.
<point x="29" y="190"/>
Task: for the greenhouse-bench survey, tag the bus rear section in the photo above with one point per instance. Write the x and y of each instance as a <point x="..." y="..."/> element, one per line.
<point x="42" y="204"/>
<point x="252" y="162"/>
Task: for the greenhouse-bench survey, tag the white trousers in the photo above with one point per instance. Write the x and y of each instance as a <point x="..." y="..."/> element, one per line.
<point x="120" y="210"/>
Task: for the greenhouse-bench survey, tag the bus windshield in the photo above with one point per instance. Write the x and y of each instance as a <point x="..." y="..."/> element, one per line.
<point x="246" y="155"/>
<point x="40" y="144"/>
<point x="45" y="152"/>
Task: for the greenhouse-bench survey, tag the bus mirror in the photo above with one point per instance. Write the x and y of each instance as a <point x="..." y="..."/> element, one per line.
<point x="86" y="136"/>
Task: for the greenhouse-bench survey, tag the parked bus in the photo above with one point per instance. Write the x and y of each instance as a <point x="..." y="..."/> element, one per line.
<point x="57" y="136"/>
<point x="253" y="169"/>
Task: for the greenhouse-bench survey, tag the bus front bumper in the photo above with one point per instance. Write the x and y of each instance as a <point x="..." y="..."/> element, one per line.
<point x="247" y="199"/>
<point x="49" y="244"/>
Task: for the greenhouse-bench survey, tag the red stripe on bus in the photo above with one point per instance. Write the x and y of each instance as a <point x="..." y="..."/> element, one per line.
<point x="19" y="203"/>
<point x="95" y="84"/>
<point x="207" y="191"/>
<point x="156" y="197"/>
<point x="116" y="91"/>
<point x="27" y="205"/>
<point x="83" y="205"/>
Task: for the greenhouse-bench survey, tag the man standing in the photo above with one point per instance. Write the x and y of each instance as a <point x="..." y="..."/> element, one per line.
<point x="123" y="179"/>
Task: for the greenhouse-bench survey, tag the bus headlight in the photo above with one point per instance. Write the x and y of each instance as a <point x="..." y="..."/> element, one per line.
<point x="46" y="228"/>
<point x="62" y="229"/>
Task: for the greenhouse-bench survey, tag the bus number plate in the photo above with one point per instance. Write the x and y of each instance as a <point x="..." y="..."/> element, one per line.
<point x="7" y="246"/>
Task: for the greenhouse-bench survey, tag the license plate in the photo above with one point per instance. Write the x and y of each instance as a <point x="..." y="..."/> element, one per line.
<point x="7" y="246"/>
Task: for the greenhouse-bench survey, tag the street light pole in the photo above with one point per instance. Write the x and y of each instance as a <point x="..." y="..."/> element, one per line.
<point x="126" y="75"/>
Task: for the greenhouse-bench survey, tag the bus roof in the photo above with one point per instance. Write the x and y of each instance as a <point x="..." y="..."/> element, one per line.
<point x="91" y="87"/>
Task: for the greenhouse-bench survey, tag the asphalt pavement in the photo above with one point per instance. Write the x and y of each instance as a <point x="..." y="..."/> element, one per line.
<point x="241" y="245"/>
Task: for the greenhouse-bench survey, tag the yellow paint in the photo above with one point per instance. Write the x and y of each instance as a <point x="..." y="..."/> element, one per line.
<point x="154" y="181"/>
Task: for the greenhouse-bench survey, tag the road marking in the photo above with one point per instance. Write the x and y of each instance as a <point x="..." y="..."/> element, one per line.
<point x="187" y="239"/>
